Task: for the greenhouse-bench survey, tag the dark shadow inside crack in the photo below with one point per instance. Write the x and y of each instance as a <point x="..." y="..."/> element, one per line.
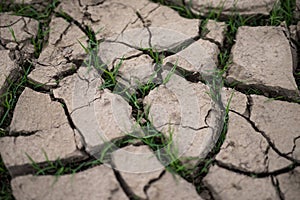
<point x="66" y="110"/>
<point x="5" y="181"/>
<point x="295" y="145"/>
<point x="146" y="187"/>
<point x="271" y="92"/>
<point x="58" y="167"/>
<point x="95" y="3"/>
<point x="179" y="6"/>
<point x="297" y="70"/>
<point x="276" y="185"/>
<point x="235" y="169"/>
<point x="126" y="188"/>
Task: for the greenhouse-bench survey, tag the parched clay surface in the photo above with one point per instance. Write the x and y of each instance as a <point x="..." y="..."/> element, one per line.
<point x="200" y="56"/>
<point x="247" y="149"/>
<point x="39" y="132"/>
<point x="22" y="28"/>
<point x="136" y="72"/>
<point x="58" y="57"/>
<point x="215" y="31"/>
<point x="265" y="115"/>
<point x="137" y="176"/>
<point x="17" y="34"/>
<point x="247" y="145"/>
<point x="229" y="185"/>
<point x="262" y="59"/>
<point x="150" y="184"/>
<point x="185" y="112"/>
<point x="290" y="184"/>
<point x="91" y="109"/>
<point x="174" y="187"/>
<point x="38" y="4"/>
<point x="96" y="183"/>
<point x="228" y="7"/>
<point x="165" y="127"/>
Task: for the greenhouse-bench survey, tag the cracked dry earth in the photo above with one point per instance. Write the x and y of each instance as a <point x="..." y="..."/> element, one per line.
<point x="68" y="118"/>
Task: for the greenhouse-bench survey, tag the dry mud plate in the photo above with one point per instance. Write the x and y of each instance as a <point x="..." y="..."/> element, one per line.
<point x="139" y="99"/>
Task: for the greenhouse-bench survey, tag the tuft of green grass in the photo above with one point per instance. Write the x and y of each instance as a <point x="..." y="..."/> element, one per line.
<point x="256" y="91"/>
<point x="38" y="41"/>
<point x="29" y="11"/>
<point x="223" y="58"/>
<point x="154" y="54"/>
<point x="133" y="100"/>
<point x="283" y="11"/>
<point x="184" y="12"/>
<point x="146" y="88"/>
<point x="201" y="170"/>
<point x="110" y="76"/>
<point x="236" y="21"/>
<point x="225" y="127"/>
<point x="5" y="189"/>
<point x="215" y="81"/>
<point x="12" y="32"/>
<point x="170" y="73"/>
<point x="224" y="61"/>
<point x="10" y="97"/>
<point x="164" y="148"/>
<point x="93" y="61"/>
<point x="64" y="15"/>
<point x="59" y="168"/>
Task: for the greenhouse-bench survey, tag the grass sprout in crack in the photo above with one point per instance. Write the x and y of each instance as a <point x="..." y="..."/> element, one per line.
<point x="121" y="97"/>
